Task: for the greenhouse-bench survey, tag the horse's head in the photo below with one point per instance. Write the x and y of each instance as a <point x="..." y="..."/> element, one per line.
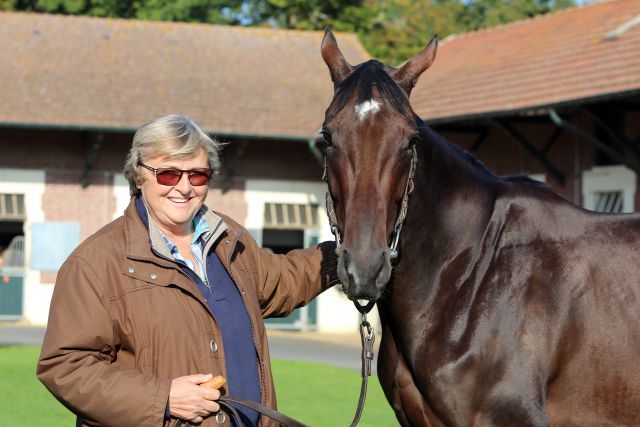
<point x="370" y="132"/>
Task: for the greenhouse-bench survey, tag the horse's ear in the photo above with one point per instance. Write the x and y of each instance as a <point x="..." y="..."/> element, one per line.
<point x="338" y="66"/>
<point x="407" y="75"/>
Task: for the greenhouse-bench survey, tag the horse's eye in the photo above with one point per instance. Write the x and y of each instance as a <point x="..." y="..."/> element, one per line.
<point x="326" y="136"/>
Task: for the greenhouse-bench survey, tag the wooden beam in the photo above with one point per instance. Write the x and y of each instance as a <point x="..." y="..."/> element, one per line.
<point x="552" y="140"/>
<point x="479" y="140"/>
<point x="614" y="154"/>
<point x="623" y="143"/>
<point x="511" y="132"/>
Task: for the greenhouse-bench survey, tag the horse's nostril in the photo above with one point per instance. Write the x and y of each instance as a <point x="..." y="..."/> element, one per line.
<point x="346" y="257"/>
<point x="352" y="280"/>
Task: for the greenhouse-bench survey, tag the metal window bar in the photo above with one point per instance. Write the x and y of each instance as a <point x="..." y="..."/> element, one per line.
<point x="12" y="206"/>
<point x="13" y="256"/>
<point x="609" y="201"/>
<point x="290" y="216"/>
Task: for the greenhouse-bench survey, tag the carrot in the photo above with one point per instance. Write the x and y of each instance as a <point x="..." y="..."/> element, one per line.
<point x="215" y="382"/>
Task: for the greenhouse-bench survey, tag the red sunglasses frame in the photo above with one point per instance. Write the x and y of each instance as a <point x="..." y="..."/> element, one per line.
<point x="170" y="174"/>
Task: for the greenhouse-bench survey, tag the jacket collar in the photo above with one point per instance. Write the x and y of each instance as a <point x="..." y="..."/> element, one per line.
<point x="143" y="238"/>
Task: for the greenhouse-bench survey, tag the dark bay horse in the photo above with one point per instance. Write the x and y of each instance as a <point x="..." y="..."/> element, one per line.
<point x="506" y="305"/>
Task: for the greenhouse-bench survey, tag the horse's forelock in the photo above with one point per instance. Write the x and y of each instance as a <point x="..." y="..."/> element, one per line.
<point x="363" y="79"/>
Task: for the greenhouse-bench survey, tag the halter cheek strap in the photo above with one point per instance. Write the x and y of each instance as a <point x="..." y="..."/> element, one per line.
<point x="404" y="206"/>
<point x="366" y="331"/>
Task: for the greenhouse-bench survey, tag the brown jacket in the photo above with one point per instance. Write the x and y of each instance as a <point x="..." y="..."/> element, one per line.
<point x="125" y="321"/>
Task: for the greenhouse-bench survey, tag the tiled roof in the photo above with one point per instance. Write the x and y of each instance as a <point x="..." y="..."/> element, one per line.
<point x="584" y="52"/>
<point x="110" y="73"/>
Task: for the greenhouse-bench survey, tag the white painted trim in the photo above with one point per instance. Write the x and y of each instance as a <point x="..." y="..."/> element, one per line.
<point x="609" y="178"/>
<point x="336" y="314"/>
<point x="37" y="297"/>
<point x="259" y="192"/>
<point x="121" y="193"/>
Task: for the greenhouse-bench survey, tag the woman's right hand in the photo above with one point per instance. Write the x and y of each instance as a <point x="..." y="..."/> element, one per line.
<point x="189" y="401"/>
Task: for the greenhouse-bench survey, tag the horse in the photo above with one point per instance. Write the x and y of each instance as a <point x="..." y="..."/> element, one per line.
<point x="501" y="303"/>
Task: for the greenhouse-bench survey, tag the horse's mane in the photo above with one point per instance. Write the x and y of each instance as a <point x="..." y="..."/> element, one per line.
<point x="364" y="78"/>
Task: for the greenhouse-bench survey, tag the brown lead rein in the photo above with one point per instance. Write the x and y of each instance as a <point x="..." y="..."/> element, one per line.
<point x="226" y="405"/>
<point x="367" y="338"/>
<point x="367" y="341"/>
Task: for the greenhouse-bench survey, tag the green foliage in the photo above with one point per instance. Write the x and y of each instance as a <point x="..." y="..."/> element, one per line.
<point x="210" y="11"/>
<point x="394" y="30"/>
<point x="391" y="30"/>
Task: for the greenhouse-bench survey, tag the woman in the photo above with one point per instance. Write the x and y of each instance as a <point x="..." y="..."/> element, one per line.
<point x="171" y="293"/>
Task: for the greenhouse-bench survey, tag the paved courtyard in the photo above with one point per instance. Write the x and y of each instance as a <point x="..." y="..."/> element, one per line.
<point x="342" y="350"/>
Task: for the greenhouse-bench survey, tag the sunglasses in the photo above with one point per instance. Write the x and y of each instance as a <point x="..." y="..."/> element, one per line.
<point x="171" y="176"/>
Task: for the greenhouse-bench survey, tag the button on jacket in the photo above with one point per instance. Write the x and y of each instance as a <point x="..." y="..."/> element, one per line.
<point x="124" y="320"/>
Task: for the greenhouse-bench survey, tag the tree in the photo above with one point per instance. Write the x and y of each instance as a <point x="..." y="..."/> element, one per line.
<point x="210" y="11"/>
<point x="394" y="30"/>
<point x="391" y="30"/>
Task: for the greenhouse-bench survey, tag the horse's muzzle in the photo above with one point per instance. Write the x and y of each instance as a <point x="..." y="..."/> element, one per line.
<point x="364" y="274"/>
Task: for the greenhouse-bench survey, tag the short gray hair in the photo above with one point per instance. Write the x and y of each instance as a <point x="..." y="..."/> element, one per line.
<point x="172" y="136"/>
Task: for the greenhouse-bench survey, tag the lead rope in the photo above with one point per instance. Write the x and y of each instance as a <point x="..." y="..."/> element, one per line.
<point x="367" y="338"/>
<point x="226" y="405"/>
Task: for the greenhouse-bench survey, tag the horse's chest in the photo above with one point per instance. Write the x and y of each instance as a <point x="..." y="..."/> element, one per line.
<point x="432" y="383"/>
<point x="425" y="388"/>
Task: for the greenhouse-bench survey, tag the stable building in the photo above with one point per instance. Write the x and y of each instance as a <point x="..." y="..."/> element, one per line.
<point x="73" y="91"/>
<point x="556" y="97"/>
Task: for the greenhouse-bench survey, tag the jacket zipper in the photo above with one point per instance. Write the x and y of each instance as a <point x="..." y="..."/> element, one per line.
<point x="253" y="332"/>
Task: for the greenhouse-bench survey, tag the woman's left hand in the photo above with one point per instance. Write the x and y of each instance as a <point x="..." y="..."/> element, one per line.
<point x="189" y="401"/>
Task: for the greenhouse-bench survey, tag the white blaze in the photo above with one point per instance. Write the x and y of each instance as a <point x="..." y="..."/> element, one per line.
<point x="367" y="107"/>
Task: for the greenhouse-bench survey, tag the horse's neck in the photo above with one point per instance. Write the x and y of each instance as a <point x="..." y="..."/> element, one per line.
<point x="454" y="197"/>
<point x="447" y="216"/>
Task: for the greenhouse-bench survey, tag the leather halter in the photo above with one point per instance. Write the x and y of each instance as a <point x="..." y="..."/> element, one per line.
<point x="397" y="229"/>
<point x="367" y="335"/>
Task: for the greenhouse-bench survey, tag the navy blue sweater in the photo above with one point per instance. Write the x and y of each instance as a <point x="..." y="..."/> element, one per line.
<point x="228" y="309"/>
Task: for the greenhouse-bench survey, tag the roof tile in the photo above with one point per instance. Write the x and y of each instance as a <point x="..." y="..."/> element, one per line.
<point x="111" y="73"/>
<point x="534" y="63"/>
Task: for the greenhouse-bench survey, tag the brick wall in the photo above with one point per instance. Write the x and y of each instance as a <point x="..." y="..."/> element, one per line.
<point x="504" y="156"/>
<point x="231" y="203"/>
<point x="65" y="200"/>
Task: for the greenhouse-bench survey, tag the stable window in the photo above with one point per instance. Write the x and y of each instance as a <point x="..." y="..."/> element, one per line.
<point x="609" y="189"/>
<point x="12" y="207"/>
<point x="290" y="216"/>
<point x="609" y="201"/>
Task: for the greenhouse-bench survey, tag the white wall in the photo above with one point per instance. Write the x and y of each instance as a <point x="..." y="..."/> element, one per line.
<point x="31" y="183"/>
<point x="121" y="193"/>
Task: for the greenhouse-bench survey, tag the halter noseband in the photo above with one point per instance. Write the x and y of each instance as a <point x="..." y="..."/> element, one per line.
<point x="404" y="206"/>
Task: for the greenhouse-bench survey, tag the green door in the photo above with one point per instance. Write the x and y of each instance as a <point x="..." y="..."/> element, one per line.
<point x="11" y="269"/>
<point x="11" y="297"/>
<point x="282" y="241"/>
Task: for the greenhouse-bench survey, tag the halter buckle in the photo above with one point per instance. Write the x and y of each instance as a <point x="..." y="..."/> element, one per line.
<point x="336" y="233"/>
